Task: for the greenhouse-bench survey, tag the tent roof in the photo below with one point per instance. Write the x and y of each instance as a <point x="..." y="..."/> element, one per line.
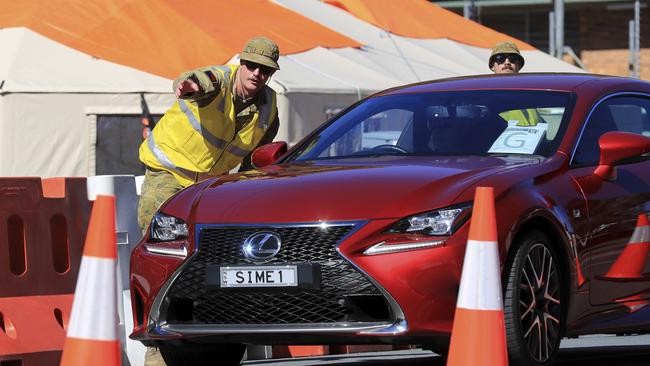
<point x="337" y="19"/>
<point x="477" y="57"/>
<point x="166" y="37"/>
<point x="413" y="18"/>
<point x="33" y="63"/>
<point x="412" y="59"/>
<point x="325" y="71"/>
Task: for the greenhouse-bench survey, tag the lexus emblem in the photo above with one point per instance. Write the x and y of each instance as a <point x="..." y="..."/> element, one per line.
<point x="262" y="246"/>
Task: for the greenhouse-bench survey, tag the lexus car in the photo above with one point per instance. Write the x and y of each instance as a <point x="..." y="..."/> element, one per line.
<point x="356" y="235"/>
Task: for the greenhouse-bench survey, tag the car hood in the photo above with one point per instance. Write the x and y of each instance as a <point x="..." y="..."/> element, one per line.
<point x="337" y="190"/>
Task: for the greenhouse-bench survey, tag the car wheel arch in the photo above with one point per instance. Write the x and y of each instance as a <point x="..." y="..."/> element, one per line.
<point x="551" y="228"/>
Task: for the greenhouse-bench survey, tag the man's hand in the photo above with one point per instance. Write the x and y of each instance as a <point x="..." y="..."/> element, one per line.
<point x="185" y="88"/>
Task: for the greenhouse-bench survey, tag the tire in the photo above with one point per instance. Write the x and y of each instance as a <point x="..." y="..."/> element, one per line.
<point x="533" y="307"/>
<point x="208" y="355"/>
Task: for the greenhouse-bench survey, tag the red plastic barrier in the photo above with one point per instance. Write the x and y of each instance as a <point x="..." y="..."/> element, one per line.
<point x="42" y="227"/>
<point x="43" y="224"/>
<point x="51" y="358"/>
<point x="33" y="323"/>
<point x="344" y="349"/>
<point x="320" y="350"/>
<point x="299" y="351"/>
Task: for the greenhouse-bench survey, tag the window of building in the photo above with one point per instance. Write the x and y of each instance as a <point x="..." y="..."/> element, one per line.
<point x="118" y="139"/>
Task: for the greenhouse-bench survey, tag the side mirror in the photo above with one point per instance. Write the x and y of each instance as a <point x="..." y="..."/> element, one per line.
<point x="617" y="146"/>
<point x="268" y="154"/>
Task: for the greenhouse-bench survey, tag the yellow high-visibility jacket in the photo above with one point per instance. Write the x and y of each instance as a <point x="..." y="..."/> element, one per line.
<point x="201" y="137"/>
<point x="524" y="117"/>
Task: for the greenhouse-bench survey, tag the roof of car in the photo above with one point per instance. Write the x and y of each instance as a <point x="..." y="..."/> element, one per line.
<point x="525" y="81"/>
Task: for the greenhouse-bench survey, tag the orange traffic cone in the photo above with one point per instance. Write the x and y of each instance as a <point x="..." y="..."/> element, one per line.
<point x="478" y="335"/>
<point x="92" y="337"/>
<point x="581" y="277"/>
<point x="632" y="260"/>
<point x="634" y="303"/>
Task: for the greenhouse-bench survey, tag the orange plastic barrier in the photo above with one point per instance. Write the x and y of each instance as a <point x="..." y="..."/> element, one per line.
<point x="32" y="359"/>
<point x="42" y="227"/>
<point x="345" y="349"/>
<point x="33" y="324"/>
<point x="299" y="351"/>
<point x="321" y="350"/>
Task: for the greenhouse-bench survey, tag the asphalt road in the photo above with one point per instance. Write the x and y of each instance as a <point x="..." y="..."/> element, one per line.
<point x="584" y="351"/>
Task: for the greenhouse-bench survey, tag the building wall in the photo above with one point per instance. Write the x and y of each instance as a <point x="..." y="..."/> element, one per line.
<point x="605" y="29"/>
<point x="597" y="31"/>
<point x="604" y="36"/>
<point x="614" y="62"/>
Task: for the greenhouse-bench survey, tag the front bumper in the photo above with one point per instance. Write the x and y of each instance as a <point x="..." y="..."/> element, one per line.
<point x="424" y="281"/>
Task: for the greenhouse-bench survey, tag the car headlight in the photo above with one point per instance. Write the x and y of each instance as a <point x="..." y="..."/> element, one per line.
<point x="440" y="222"/>
<point x="422" y="231"/>
<point x="167" y="228"/>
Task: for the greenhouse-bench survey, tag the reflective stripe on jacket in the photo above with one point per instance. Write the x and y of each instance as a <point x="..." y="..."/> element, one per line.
<point x="191" y="139"/>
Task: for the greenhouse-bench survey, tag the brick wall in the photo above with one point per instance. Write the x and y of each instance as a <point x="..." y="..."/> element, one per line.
<point x="606" y="29"/>
<point x="597" y="33"/>
<point x="614" y="62"/>
<point x="604" y="40"/>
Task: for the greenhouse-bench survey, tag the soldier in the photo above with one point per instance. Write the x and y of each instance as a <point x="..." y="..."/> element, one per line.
<point x="506" y="59"/>
<point x="221" y="115"/>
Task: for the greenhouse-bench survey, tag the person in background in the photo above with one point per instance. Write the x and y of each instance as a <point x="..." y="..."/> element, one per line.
<point x="221" y="115"/>
<point x="506" y="59"/>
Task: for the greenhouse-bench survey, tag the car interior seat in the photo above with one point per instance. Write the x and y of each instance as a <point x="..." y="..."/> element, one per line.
<point x="465" y="135"/>
<point x="628" y="118"/>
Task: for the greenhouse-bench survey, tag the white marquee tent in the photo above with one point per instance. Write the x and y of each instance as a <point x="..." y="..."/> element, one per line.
<point x="411" y="59"/>
<point x="52" y="96"/>
<point x="385" y="60"/>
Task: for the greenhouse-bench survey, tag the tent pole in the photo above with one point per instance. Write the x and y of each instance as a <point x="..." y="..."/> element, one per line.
<point x="406" y="61"/>
<point x="559" y="28"/>
<point x="326" y="75"/>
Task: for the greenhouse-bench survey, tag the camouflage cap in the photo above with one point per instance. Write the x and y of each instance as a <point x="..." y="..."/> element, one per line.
<point x="263" y="51"/>
<point x="506" y="47"/>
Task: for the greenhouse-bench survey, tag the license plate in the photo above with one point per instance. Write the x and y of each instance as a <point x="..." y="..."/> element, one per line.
<point x="267" y="276"/>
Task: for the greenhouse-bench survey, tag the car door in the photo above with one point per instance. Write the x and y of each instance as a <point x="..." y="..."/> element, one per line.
<point x="614" y="205"/>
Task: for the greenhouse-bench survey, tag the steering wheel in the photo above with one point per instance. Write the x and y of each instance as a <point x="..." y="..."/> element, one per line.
<point x="388" y="148"/>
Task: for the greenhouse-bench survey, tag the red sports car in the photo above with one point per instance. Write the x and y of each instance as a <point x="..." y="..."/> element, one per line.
<point x="357" y="234"/>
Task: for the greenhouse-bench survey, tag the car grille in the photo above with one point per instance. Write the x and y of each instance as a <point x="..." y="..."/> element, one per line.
<point x="222" y="246"/>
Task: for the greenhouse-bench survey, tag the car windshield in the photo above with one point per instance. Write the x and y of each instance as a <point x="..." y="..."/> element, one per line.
<point x="477" y="122"/>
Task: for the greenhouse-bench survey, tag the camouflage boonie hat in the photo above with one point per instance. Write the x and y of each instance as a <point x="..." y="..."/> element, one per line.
<point x="506" y="47"/>
<point x="263" y="51"/>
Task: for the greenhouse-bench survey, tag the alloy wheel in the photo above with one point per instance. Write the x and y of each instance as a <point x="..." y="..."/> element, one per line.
<point x="539" y="303"/>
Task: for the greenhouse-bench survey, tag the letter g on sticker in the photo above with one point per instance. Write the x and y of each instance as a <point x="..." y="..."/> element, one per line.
<point x="514" y="142"/>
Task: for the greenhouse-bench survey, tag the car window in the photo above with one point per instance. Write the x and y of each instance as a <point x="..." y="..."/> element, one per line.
<point x="445" y="123"/>
<point x="383" y="128"/>
<point x="625" y="113"/>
